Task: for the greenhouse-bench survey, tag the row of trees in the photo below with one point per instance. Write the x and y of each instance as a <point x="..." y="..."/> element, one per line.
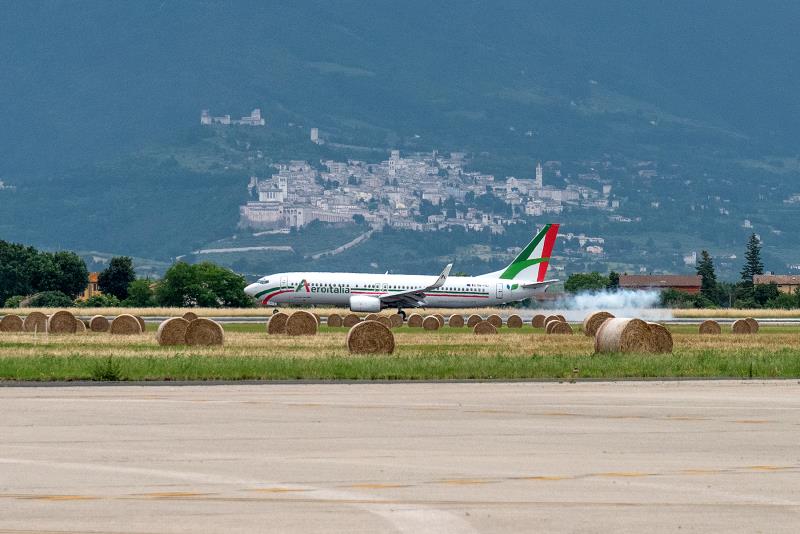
<point x="26" y="271"/>
<point x="29" y="277"/>
<point x="741" y="294"/>
<point x="713" y="293"/>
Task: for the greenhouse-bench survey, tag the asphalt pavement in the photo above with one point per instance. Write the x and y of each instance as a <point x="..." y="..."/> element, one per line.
<point x="461" y="457"/>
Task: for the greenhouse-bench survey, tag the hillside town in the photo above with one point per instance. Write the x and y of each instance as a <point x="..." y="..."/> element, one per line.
<point x="422" y="192"/>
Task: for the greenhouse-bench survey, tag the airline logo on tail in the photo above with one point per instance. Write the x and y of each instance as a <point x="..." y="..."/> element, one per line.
<point x="532" y="262"/>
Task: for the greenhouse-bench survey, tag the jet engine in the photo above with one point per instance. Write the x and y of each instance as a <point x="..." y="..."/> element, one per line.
<point x="362" y="303"/>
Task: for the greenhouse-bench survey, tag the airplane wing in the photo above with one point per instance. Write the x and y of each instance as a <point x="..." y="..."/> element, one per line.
<point x="415" y="297"/>
<point x="538" y="284"/>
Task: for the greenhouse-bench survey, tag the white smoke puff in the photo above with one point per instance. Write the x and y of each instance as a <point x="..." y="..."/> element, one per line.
<point x="622" y="303"/>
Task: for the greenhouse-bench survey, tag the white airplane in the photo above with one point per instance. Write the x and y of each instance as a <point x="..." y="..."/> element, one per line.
<point x="363" y="292"/>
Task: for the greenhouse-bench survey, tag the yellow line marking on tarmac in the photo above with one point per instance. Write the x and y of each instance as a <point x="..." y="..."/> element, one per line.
<point x="172" y="494"/>
<point x="768" y="467"/>
<point x="545" y="477"/>
<point x="700" y="471"/>
<point x="369" y="485"/>
<point x="58" y="497"/>
<point x="278" y="490"/>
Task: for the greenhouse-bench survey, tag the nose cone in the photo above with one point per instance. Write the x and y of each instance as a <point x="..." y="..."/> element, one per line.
<point x="251" y="290"/>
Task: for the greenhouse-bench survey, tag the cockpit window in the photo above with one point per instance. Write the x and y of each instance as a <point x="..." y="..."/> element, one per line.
<point x="264" y="280"/>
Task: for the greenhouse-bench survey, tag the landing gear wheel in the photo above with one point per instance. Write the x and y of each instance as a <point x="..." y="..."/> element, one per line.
<point x="274" y="311"/>
<point x="402" y="314"/>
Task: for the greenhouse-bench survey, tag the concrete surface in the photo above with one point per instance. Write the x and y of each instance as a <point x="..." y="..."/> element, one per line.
<point x="485" y="457"/>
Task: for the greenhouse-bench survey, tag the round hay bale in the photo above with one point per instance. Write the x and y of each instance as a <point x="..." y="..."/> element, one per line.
<point x="538" y="321"/>
<point x="62" y="322"/>
<point x="190" y="316"/>
<point x="442" y="320"/>
<point x="206" y="332"/>
<point x="710" y="327"/>
<point x="550" y="318"/>
<point x="473" y="320"/>
<point x="80" y="327"/>
<point x="484" y="328"/>
<point x="396" y="319"/>
<point x="662" y="338"/>
<point x="125" y="325"/>
<point x="35" y="322"/>
<point x="414" y="320"/>
<point x="623" y="335"/>
<point x="753" y="325"/>
<point x="385" y="320"/>
<point x="514" y="321"/>
<point x="561" y="318"/>
<point x="301" y="323"/>
<point x="317" y="318"/>
<point x="351" y="319"/>
<point x="593" y="321"/>
<point x="371" y="317"/>
<point x="99" y="323"/>
<point x="141" y="323"/>
<point x="456" y="321"/>
<point x="11" y="323"/>
<point x="172" y="331"/>
<point x="559" y="327"/>
<point x="335" y="320"/>
<point x="276" y="324"/>
<point x="431" y="323"/>
<point x="741" y="326"/>
<point x="495" y="320"/>
<point x="370" y="337"/>
<point x="548" y="329"/>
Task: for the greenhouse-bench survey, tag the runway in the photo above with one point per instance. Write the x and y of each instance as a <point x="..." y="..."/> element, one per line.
<point x="460" y="457"/>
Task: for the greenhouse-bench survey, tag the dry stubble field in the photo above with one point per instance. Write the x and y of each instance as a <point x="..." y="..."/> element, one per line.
<point x="249" y="353"/>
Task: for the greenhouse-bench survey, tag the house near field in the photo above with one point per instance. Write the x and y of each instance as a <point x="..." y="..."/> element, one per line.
<point x="787" y="283"/>
<point x="92" y="288"/>
<point x="686" y="283"/>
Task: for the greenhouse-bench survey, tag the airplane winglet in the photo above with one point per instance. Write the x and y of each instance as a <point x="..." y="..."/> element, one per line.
<point x="442" y="277"/>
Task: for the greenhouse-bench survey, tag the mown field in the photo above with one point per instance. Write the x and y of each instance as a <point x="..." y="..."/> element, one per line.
<point x="249" y="353"/>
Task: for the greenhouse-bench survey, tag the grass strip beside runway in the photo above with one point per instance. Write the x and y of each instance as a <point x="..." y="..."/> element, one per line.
<point x="249" y="353"/>
<point x="778" y="364"/>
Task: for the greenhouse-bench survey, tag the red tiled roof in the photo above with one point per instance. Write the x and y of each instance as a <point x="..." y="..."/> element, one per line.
<point x="660" y="280"/>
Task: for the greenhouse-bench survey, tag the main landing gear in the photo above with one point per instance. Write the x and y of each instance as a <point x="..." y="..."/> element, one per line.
<point x="402" y="313"/>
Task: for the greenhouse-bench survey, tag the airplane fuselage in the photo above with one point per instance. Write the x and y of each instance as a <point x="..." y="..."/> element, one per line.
<point x="336" y="289"/>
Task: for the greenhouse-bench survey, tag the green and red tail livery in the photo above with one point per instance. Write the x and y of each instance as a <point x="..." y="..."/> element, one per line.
<point x="532" y="262"/>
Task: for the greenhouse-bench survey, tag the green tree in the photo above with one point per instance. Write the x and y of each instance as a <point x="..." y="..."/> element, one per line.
<point x="752" y="260"/>
<point x="202" y="285"/>
<point x="762" y="293"/>
<point x="50" y="299"/>
<point x="579" y="282"/>
<point x="705" y="268"/>
<point x="13" y="302"/>
<point x="140" y="294"/>
<point x="613" y="281"/>
<point x="100" y="301"/>
<point x="786" y="301"/>
<point x="26" y="271"/>
<point x="72" y="275"/>
<point x="115" y="279"/>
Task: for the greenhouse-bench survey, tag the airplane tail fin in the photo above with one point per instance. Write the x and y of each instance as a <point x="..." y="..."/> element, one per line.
<point x="532" y="262"/>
